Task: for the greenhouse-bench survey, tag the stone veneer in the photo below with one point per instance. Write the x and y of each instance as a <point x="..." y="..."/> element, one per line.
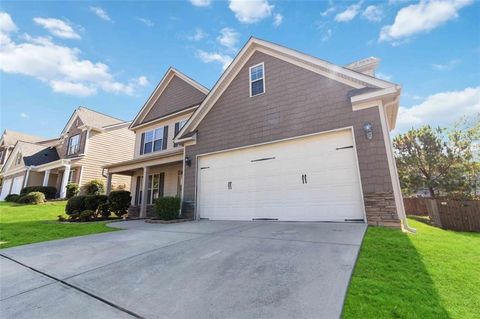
<point x="381" y="210"/>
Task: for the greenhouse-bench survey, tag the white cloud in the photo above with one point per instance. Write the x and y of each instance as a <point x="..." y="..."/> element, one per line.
<point x="349" y="14"/>
<point x="208" y="57"/>
<point x="277" y="19"/>
<point x="440" y="109"/>
<point x="197" y="36"/>
<point x="61" y="67"/>
<point x="328" y="11"/>
<point x="57" y="27"/>
<point x="201" y="3"/>
<point x="147" y="22"/>
<point x="327" y="35"/>
<point x="142" y="80"/>
<point x="101" y="13"/>
<point x="445" y="66"/>
<point x="421" y="18"/>
<point x="251" y="11"/>
<point x="24" y="115"/>
<point x="373" y="13"/>
<point x="228" y="38"/>
<point x="383" y="76"/>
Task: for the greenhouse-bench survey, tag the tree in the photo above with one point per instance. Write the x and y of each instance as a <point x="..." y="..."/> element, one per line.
<point x="445" y="161"/>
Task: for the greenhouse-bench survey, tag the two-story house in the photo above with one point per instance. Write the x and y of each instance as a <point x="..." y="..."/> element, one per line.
<point x="157" y="167"/>
<point x="8" y="140"/>
<point x="88" y="141"/>
<point x="281" y="136"/>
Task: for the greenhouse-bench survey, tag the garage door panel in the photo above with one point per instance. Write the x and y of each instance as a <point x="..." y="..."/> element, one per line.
<point x="7" y="183"/>
<point x="274" y="188"/>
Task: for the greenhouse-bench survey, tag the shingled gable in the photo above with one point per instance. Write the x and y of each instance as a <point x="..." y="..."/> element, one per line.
<point x="355" y="79"/>
<point x="174" y="93"/>
<point x="91" y="119"/>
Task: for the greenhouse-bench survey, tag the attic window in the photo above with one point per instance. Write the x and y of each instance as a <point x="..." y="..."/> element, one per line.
<point x="257" y="79"/>
<point x="19" y="158"/>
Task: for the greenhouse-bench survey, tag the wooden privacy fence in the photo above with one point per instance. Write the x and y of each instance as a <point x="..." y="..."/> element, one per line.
<point x="455" y="214"/>
<point x="416" y="206"/>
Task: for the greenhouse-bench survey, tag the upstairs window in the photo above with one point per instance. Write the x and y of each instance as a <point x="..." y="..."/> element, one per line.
<point x="73" y="144"/>
<point x="154" y="140"/>
<point x="178" y="127"/>
<point x="257" y="79"/>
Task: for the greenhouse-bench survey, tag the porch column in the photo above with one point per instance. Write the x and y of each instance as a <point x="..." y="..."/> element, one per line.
<point x="63" y="186"/>
<point x="46" y="177"/>
<point x="143" y="206"/>
<point x="27" y="175"/>
<point x="109" y="183"/>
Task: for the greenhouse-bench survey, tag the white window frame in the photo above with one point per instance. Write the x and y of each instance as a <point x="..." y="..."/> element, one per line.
<point x="262" y="64"/>
<point x="72" y="173"/>
<point x="153" y="139"/>
<point x="76" y="147"/>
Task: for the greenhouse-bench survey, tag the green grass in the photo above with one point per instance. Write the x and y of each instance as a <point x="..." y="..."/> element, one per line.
<point x="432" y="274"/>
<point x="26" y="224"/>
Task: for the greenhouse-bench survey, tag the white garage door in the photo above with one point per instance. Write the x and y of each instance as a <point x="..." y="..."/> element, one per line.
<point x="5" y="188"/>
<point x="311" y="178"/>
<point x="17" y="185"/>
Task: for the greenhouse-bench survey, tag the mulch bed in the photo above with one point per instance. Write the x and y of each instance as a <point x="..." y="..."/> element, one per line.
<point x="173" y="221"/>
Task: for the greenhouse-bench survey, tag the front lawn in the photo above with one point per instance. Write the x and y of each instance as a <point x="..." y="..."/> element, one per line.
<point x="432" y="274"/>
<point x="26" y="224"/>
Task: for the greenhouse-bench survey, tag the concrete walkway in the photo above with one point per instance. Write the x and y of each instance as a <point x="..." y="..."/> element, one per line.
<point x="205" y="269"/>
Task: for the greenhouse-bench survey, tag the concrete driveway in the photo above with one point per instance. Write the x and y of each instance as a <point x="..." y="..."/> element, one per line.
<point x="205" y="269"/>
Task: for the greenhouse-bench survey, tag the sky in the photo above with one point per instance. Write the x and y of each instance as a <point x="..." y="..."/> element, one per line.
<point x="109" y="56"/>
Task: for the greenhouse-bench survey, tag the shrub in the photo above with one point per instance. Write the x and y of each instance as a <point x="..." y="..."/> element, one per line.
<point x="72" y="190"/>
<point x="49" y="191"/>
<point x="86" y="215"/>
<point x="93" y="201"/>
<point x="167" y="208"/>
<point x="104" y="210"/>
<point x="119" y="202"/>
<point x="32" y="198"/>
<point x="13" y="198"/>
<point x="75" y="204"/>
<point x="95" y="187"/>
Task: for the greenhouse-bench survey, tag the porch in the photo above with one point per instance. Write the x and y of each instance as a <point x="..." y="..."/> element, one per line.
<point x="152" y="177"/>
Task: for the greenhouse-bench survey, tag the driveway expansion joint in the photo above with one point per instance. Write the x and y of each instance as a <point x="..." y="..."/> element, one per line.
<point x="131" y="313"/>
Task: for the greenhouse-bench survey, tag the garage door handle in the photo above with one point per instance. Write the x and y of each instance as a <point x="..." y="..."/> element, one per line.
<point x="306" y="182"/>
<point x="229" y="185"/>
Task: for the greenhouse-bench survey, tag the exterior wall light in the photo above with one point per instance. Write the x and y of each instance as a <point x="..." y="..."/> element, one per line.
<point x="368" y="129"/>
<point x="188" y="162"/>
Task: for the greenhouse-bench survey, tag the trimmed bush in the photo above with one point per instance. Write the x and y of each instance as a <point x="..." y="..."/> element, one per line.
<point x="75" y="204"/>
<point x="86" y="215"/>
<point x="167" y="208"/>
<point x="49" y="191"/>
<point x="32" y="198"/>
<point x="93" y="201"/>
<point x="119" y="202"/>
<point x="95" y="187"/>
<point x="104" y="210"/>
<point x="12" y="198"/>
<point x="72" y="190"/>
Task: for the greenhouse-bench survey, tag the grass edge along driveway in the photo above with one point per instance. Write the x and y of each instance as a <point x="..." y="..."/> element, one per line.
<point x="27" y="224"/>
<point x="434" y="273"/>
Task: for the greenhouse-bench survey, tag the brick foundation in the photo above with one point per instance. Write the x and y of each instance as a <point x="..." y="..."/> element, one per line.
<point x="381" y="210"/>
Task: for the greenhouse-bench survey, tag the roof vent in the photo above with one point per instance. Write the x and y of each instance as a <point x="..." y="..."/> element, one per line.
<point x="366" y="66"/>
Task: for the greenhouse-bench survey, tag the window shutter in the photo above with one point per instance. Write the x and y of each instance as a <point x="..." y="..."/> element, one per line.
<point x="68" y="145"/>
<point x="161" y="185"/>
<point x="177" y="129"/>
<point x="165" y="137"/>
<point x="142" y="139"/>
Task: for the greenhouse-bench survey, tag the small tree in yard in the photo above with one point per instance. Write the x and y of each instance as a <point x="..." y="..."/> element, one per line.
<point x="95" y="187"/>
<point x="442" y="160"/>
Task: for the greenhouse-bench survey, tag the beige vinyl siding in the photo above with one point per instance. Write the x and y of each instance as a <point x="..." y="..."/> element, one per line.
<point x="171" y="133"/>
<point x="105" y="148"/>
<point x="35" y="178"/>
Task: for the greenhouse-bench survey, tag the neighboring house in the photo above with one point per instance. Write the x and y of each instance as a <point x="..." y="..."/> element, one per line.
<point x="282" y="135"/>
<point x="89" y="141"/>
<point x="9" y="139"/>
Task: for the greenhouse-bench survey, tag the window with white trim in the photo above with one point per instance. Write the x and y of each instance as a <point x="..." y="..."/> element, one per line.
<point x="72" y="175"/>
<point x="73" y="144"/>
<point x="154" y="140"/>
<point x="257" y="79"/>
